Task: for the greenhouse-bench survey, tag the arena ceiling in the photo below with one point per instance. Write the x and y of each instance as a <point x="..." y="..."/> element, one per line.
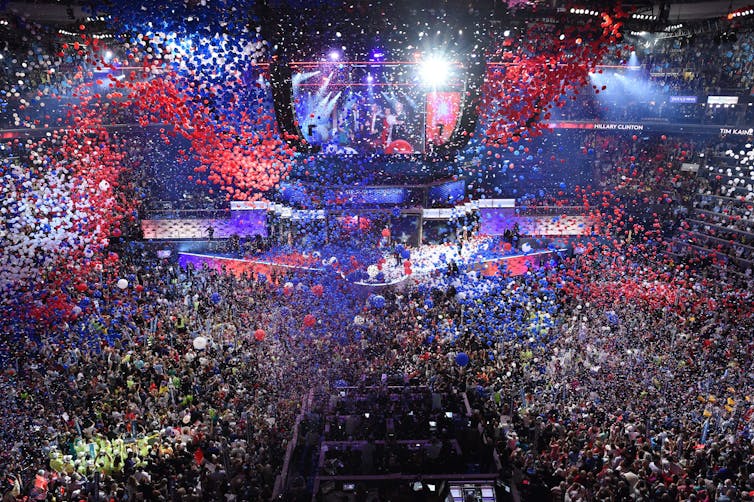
<point x="52" y="11"/>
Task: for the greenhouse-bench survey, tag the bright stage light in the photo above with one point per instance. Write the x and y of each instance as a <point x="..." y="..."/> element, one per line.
<point x="334" y="55"/>
<point x="377" y="55"/>
<point x="434" y="71"/>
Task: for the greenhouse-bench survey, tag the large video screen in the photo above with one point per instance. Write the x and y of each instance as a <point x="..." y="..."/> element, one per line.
<point x="371" y="108"/>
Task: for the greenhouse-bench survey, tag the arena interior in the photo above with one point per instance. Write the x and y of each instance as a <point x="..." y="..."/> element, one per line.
<point x="376" y="250"/>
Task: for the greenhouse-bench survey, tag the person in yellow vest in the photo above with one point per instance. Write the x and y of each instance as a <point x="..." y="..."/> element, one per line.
<point x="180" y="324"/>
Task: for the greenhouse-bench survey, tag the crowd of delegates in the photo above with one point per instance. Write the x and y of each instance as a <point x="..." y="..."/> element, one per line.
<point x="727" y="186"/>
<point x="731" y="247"/>
<point x="702" y="65"/>
<point x="123" y="392"/>
<point x="610" y="401"/>
<point x="707" y="64"/>
<point x="725" y="213"/>
<point x="582" y="391"/>
<point x="724" y="222"/>
<point x="720" y="211"/>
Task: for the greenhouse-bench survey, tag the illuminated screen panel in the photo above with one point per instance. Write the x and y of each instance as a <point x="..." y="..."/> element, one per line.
<point x="448" y="193"/>
<point x="369" y="108"/>
<point x="443" y="110"/>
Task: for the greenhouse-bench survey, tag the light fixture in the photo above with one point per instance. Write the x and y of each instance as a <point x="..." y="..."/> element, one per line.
<point x="434" y="70"/>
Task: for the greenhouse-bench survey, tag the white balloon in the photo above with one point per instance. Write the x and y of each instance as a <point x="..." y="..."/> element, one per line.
<point x="122" y="284"/>
<point x="104" y="185"/>
<point x="200" y="343"/>
<point x="372" y="271"/>
<point x="526" y="247"/>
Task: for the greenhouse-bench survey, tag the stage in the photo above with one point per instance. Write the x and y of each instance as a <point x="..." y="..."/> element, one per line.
<point x="425" y="261"/>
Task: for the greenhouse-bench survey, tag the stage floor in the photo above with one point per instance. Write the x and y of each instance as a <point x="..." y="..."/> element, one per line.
<point x="424" y="261"/>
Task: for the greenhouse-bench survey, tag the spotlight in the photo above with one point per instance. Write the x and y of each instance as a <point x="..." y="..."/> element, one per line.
<point x="740" y="13"/>
<point x="334" y="55"/>
<point x="434" y="71"/>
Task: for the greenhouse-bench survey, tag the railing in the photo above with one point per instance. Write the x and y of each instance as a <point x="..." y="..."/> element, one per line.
<point x="552" y="210"/>
<point x="725" y="240"/>
<point x="734" y="199"/>
<point x="281" y="481"/>
<point x="727" y="258"/>
<point x="179" y="214"/>
<point x="735" y="217"/>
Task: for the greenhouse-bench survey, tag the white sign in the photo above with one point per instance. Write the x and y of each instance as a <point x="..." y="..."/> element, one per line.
<point x="722" y="100"/>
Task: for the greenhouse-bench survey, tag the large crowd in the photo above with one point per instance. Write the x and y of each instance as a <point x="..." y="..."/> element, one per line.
<point x="582" y="391"/>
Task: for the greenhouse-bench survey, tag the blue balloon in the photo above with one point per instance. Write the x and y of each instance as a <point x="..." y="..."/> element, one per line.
<point x="216" y="298"/>
<point x="462" y="359"/>
<point x="377" y="301"/>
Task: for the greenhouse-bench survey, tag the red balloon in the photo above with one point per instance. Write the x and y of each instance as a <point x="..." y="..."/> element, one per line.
<point x="309" y="321"/>
<point x="318" y="290"/>
<point x="81" y="287"/>
<point x="259" y="335"/>
<point x="399" y="146"/>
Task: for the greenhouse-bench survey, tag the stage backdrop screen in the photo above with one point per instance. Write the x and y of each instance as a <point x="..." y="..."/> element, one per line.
<point x="380" y="108"/>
